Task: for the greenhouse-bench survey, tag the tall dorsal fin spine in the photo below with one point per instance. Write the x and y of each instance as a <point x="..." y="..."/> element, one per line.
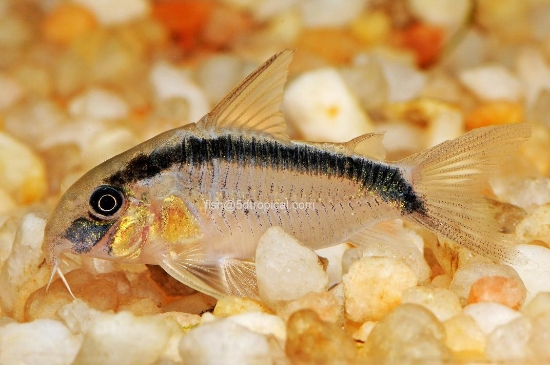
<point x="254" y="106"/>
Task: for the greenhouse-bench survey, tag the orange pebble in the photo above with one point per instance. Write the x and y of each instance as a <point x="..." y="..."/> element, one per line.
<point x="184" y="19"/>
<point x="426" y="41"/>
<point x="499" y="289"/>
<point x="67" y="22"/>
<point x="495" y="113"/>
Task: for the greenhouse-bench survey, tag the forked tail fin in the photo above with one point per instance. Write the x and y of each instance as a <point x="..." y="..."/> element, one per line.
<point x="450" y="178"/>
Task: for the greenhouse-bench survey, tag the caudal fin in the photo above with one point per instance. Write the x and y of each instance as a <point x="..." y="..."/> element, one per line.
<point x="450" y="178"/>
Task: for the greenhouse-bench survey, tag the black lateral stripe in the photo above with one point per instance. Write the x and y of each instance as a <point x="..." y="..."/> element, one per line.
<point x="384" y="180"/>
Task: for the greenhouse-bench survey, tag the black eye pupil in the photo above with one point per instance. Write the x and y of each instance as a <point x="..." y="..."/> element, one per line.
<point x="106" y="200"/>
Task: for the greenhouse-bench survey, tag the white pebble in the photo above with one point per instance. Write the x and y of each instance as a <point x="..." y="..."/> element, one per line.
<point x="404" y="82"/>
<point x="78" y="316"/>
<point x="524" y="193"/>
<point x="536" y="226"/>
<point x="538" y="305"/>
<point x="224" y="342"/>
<point x="285" y="269"/>
<point x="219" y="74"/>
<point x="124" y="338"/>
<point x="373" y="287"/>
<point x="19" y="275"/>
<point x="492" y="82"/>
<point x="330" y="13"/>
<point x="448" y="13"/>
<point x="334" y="256"/>
<point x="10" y="91"/>
<point x="262" y="323"/>
<point x="509" y="341"/>
<point x="535" y="273"/>
<point x="446" y="125"/>
<point x="322" y="108"/>
<point x="171" y="82"/>
<point x="100" y="104"/>
<point x="534" y="71"/>
<point x="43" y="341"/>
<point x="489" y="315"/>
<point x="109" y="13"/>
<point x="23" y="172"/>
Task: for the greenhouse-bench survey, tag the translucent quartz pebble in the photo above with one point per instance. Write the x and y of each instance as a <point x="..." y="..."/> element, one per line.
<point x="410" y="334"/>
<point x="489" y="315"/>
<point x="100" y="104"/>
<point x="334" y="256"/>
<point x="448" y="13"/>
<point x="286" y="269"/>
<point x="322" y="108"/>
<point x="508" y="291"/>
<point x="535" y="273"/>
<point x="21" y="273"/>
<point x="443" y="303"/>
<point x="509" y="342"/>
<point x="404" y="81"/>
<point x="538" y="305"/>
<point x="539" y="337"/>
<point x="526" y="193"/>
<point x="473" y="270"/>
<point x="23" y="172"/>
<point x="238" y="345"/>
<point x="464" y="335"/>
<point x="330" y="13"/>
<point x="373" y="287"/>
<point x="536" y="226"/>
<point x="492" y="82"/>
<point x="123" y="338"/>
<point x="172" y="82"/>
<point x="262" y="323"/>
<point x="534" y="71"/>
<point x="219" y="74"/>
<point x="11" y="91"/>
<point x="108" y="13"/>
<point x="403" y="244"/>
<point x="327" y="307"/>
<point x="44" y="341"/>
<point x="312" y="341"/>
<point x="78" y="316"/>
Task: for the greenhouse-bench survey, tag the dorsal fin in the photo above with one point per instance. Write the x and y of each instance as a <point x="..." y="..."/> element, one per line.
<point x="253" y="106"/>
<point x="368" y="145"/>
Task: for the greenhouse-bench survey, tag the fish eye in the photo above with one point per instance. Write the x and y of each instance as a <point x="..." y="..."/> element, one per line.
<point x="105" y="201"/>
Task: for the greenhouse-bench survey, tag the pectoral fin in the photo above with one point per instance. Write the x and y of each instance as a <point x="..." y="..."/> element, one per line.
<point x="216" y="278"/>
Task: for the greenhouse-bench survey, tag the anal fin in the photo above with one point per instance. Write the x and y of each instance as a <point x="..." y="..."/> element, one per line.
<point x="240" y="277"/>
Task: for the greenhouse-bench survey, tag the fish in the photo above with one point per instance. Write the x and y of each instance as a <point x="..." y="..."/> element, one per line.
<point x="196" y="199"/>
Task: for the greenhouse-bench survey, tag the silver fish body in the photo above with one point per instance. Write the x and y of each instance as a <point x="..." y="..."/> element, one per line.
<point x="196" y="199"/>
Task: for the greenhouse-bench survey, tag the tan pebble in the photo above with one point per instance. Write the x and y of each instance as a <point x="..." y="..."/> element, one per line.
<point x="363" y="332"/>
<point x="230" y="306"/>
<point x="140" y="306"/>
<point x="408" y="334"/>
<point x="507" y="291"/>
<point x="327" y="307"/>
<point x="538" y="305"/>
<point x="312" y="341"/>
<point x="23" y="172"/>
<point x="371" y="28"/>
<point x="443" y="303"/>
<point x="373" y="287"/>
<point x="464" y="335"/>
<point x="67" y="22"/>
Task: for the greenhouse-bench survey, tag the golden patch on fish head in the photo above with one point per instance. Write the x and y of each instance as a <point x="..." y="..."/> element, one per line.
<point x="131" y="234"/>
<point x="176" y="223"/>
